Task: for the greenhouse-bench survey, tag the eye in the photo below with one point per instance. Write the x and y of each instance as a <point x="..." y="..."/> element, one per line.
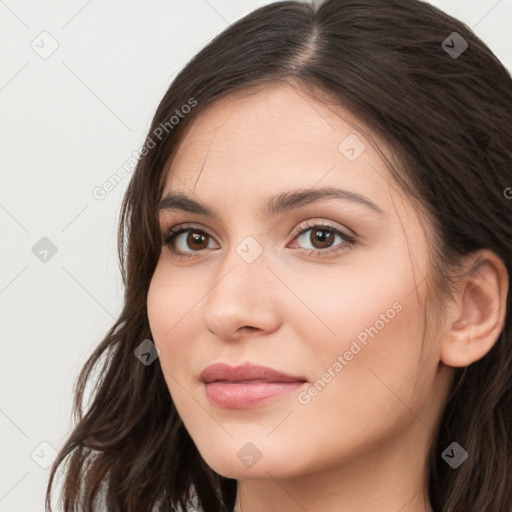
<point x="322" y="238"/>
<point x="195" y="239"/>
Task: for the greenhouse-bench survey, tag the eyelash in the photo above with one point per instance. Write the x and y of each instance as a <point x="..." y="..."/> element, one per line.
<point x="171" y="233"/>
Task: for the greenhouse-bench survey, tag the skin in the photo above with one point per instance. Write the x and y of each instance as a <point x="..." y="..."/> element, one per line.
<point x="360" y="444"/>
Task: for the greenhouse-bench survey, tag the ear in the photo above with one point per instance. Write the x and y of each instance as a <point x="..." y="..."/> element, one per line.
<point x="477" y="315"/>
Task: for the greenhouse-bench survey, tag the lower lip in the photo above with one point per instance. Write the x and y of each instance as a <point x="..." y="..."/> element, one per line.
<point x="241" y="395"/>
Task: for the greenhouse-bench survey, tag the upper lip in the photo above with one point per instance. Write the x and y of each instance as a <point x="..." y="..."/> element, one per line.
<point x="245" y="372"/>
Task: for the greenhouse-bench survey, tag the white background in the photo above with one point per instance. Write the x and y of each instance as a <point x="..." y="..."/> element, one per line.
<point x="67" y="123"/>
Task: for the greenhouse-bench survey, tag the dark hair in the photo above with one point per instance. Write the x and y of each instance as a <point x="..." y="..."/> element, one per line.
<point x="447" y="120"/>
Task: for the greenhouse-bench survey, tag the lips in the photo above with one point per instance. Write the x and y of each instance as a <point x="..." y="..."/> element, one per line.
<point x="246" y="372"/>
<point x="247" y="385"/>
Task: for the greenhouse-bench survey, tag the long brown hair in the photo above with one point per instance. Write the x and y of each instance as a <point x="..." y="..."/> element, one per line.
<point x="448" y="120"/>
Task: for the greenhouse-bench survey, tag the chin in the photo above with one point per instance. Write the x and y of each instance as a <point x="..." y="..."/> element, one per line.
<point x="249" y="461"/>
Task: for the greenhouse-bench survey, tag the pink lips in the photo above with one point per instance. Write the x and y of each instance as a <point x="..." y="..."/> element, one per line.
<point x="247" y="385"/>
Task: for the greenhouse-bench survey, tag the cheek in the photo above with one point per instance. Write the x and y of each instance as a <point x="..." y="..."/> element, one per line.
<point x="356" y="301"/>
<point x="373" y="359"/>
<point x="364" y="342"/>
<point x="171" y="298"/>
<point x="171" y="311"/>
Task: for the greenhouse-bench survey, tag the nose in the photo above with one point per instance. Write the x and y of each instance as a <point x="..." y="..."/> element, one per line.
<point x="242" y="300"/>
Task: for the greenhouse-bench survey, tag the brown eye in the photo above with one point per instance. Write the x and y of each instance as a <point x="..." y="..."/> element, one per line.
<point x="196" y="240"/>
<point x="186" y="241"/>
<point x="322" y="239"/>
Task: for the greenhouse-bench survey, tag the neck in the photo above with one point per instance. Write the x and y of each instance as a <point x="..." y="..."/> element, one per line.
<point x="249" y="500"/>
<point x="387" y="480"/>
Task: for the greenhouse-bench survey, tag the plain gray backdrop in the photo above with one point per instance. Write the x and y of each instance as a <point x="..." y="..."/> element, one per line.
<point x="79" y="83"/>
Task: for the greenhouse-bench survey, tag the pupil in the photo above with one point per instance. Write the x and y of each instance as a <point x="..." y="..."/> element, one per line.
<point x="322" y="239"/>
<point x="196" y="238"/>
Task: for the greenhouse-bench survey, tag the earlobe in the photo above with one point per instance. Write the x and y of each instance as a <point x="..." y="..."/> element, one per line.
<point x="474" y="325"/>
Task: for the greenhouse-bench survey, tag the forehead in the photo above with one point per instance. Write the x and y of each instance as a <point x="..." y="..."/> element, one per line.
<point x="263" y="141"/>
<point x="276" y="122"/>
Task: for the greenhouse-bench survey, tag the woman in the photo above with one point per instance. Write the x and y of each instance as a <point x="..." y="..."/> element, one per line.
<point x="315" y="246"/>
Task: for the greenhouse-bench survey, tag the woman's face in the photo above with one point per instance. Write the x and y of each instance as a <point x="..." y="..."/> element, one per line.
<point x="339" y="313"/>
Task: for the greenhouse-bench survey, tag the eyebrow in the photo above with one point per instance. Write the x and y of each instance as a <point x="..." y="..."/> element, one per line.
<point x="281" y="203"/>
